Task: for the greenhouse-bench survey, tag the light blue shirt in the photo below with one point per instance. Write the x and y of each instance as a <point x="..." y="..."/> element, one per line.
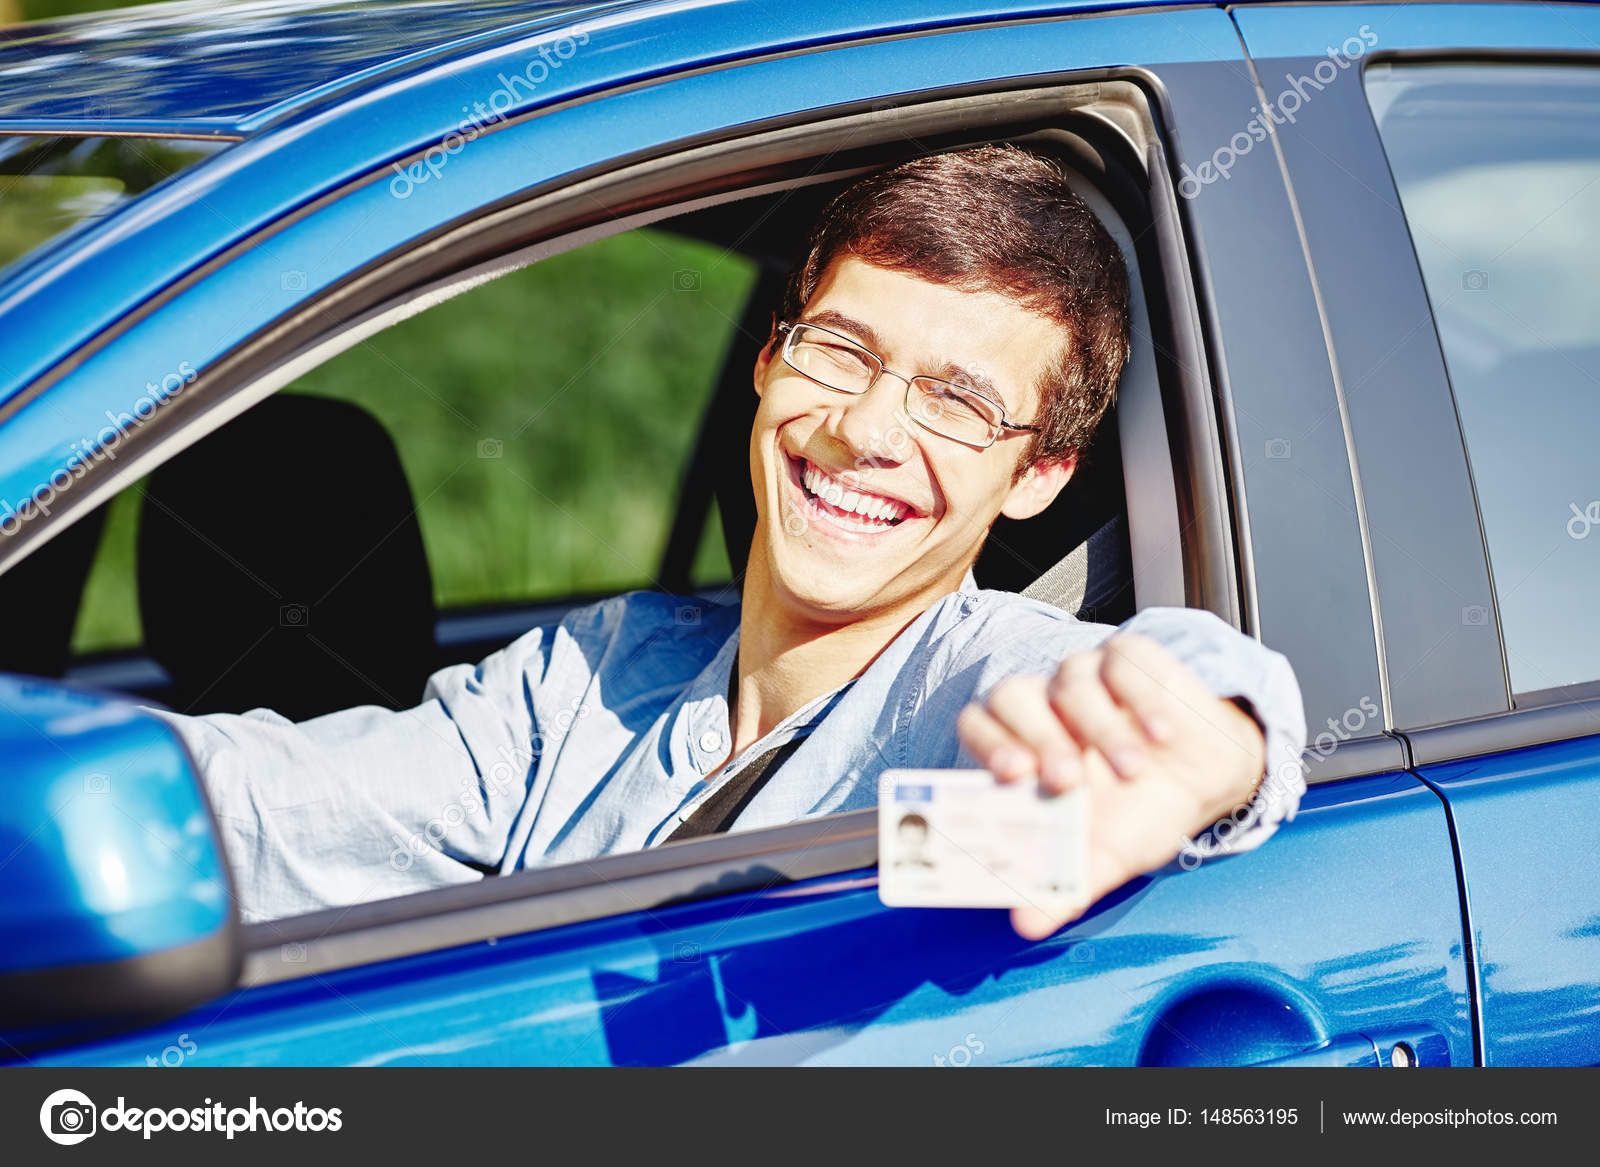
<point x="594" y="736"/>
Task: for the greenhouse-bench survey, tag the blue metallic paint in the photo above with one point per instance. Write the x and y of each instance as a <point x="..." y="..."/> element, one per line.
<point x="1245" y="960"/>
<point x="106" y="845"/>
<point x="1528" y="827"/>
<point x="1302" y="951"/>
<point x="242" y="66"/>
<point x="218" y="64"/>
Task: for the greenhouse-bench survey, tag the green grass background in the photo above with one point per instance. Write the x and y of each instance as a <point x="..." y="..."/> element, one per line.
<point x="15" y="10"/>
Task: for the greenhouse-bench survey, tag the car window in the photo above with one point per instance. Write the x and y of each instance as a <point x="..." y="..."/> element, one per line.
<point x="1498" y="169"/>
<point x="50" y="184"/>
<point x="544" y="421"/>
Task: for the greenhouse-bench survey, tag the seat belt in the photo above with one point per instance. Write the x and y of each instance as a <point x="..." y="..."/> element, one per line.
<point x="717" y="813"/>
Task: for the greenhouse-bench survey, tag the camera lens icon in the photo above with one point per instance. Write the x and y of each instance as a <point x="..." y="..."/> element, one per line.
<point x="67" y="1117"/>
<point x="293" y="616"/>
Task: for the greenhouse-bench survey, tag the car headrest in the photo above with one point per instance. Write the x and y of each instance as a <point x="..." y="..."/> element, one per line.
<point x="48" y="586"/>
<point x="281" y="566"/>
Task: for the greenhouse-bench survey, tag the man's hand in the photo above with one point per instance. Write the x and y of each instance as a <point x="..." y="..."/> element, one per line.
<point x="1163" y="758"/>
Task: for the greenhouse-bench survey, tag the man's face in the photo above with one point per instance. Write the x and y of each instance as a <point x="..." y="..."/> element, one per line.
<point x="827" y="567"/>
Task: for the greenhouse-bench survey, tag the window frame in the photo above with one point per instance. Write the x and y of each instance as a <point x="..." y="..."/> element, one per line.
<point x="558" y="217"/>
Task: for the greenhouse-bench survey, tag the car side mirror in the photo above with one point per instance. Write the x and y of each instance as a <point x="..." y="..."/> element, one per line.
<point x="115" y="902"/>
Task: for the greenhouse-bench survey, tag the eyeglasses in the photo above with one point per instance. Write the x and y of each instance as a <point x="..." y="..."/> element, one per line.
<point x="951" y="410"/>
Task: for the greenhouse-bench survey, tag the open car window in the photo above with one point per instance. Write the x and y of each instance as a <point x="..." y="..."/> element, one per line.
<point x="543" y="423"/>
<point x="520" y="491"/>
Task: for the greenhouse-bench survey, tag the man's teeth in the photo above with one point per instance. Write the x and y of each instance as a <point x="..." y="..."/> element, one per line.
<point x="833" y="492"/>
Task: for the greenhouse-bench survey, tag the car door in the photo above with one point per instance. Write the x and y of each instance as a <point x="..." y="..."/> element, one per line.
<point x="1449" y="204"/>
<point x="1335" y="943"/>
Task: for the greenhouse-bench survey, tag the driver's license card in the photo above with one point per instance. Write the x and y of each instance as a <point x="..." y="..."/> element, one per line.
<point x="960" y="839"/>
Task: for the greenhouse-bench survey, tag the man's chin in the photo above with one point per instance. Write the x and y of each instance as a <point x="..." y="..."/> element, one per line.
<point x="829" y="602"/>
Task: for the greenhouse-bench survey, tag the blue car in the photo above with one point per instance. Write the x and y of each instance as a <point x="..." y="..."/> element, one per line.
<point x="1358" y="422"/>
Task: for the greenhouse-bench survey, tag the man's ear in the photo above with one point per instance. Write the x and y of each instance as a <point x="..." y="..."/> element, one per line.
<point x="764" y="358"/>
<point x="1038" y="487"/>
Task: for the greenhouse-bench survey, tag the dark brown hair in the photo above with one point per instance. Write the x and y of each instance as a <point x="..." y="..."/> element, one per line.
<point x="999" y="219"/>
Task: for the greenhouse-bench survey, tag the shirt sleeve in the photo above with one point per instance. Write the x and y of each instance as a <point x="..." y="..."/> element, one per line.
<point x="368" y="803"/>
<point x="1237" y="667"/>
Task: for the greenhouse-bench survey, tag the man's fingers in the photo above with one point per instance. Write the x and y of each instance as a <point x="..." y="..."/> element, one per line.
<point x="1035" y="924"/>
<point x="993" y="746"/>
<point x="1096" y="722"/>
<point x="1020" y="705"/>
<point x="1145" y="679"/>
<point x="1132" y="828"/>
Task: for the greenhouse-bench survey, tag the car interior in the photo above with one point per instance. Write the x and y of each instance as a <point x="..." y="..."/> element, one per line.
<point x="236" y="545"/>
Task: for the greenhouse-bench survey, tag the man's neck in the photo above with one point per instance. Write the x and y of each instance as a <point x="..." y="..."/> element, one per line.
<point x="786" y="660"/>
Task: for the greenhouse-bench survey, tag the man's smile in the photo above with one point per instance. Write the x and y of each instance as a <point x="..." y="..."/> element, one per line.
<point x="840" y="507"/>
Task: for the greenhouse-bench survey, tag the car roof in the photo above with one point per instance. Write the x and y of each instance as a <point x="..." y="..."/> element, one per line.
<point x="200" y="66"/>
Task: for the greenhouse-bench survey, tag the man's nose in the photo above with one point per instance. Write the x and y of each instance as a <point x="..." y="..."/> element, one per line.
<point x="874" y="424"/>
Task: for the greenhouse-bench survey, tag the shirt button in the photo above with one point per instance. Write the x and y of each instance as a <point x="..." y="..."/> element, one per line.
<point x="711" y="741"/>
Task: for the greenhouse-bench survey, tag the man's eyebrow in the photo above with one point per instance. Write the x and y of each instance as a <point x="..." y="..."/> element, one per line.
<point x="947" y="371"/>
<point x="833" y="318"/>
<point x="950" y="371"/>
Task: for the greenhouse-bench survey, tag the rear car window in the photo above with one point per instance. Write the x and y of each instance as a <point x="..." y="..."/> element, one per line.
<point x="51" y="184"/>
<point x="1498" y="169"/>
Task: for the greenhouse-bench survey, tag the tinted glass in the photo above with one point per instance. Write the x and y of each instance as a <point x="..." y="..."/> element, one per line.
<point x="49" y="185"/>
<point x="1498" y="168"/>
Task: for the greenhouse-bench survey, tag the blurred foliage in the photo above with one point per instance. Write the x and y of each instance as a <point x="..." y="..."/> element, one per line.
<point x="45" y="9"/>
<point x="50" y="185"/>
<point x="545" y="421"/>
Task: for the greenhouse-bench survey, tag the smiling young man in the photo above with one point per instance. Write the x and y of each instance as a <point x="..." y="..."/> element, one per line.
<point x="946" y="347"/>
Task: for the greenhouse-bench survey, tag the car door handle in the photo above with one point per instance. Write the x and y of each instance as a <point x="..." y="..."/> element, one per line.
<point x="1384" y="1049"/>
